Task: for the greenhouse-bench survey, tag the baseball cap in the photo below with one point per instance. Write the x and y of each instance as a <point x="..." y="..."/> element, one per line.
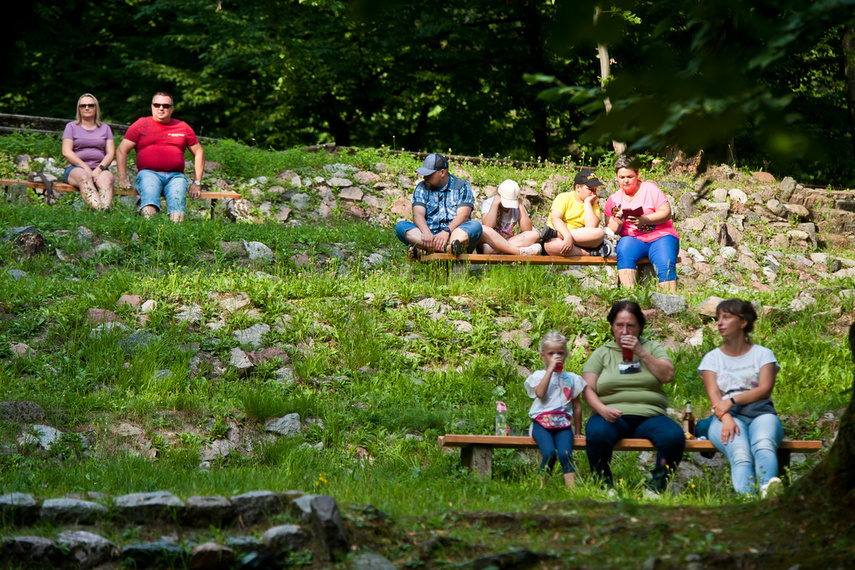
<point x="432" y="163"/>
<point x="509" y="192"/>
<point x="587" y="178"/>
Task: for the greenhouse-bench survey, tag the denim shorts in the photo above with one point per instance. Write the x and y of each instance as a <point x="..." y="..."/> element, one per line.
<point x="68" y="170"/>
<point x="472" y="228"/>
<point x="151" y="185"/>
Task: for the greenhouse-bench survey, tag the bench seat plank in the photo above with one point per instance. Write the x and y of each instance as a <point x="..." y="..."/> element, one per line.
<point x="493" y="259"/>
<point x="527" y="442"/>
<point x="496" y="259"/>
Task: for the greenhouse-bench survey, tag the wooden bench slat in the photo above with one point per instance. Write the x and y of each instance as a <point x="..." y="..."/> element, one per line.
<point x="494" y="259"/>
<point x="526" y="442"/>
<point x="62" y="187"/>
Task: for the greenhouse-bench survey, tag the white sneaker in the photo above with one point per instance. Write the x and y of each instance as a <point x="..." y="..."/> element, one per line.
<point x="770" y="487"/>
<point x="533" y="249"/>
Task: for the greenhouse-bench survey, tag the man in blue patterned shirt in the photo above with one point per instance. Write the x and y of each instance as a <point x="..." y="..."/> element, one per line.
<point x="442" y="205"/>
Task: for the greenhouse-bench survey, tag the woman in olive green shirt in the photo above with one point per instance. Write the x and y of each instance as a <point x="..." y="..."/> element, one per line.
<point x="626" y="395"/>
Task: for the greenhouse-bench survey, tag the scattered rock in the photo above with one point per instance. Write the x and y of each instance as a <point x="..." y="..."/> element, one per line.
<point x="285" y="538"/>
<point x="212" y="556"/>
<point x="106" y="246"/>
<point x="30" y="552"/>
<point x="19" y="507"/>
<point x="87" y="549"/>
<point x="708" y="307"/>
<point x="21" y="350"/>
<point x="253" y="335"/>
<point x="46" y="435"/>
<point x="371" y="561"/>
<point x="137" y="341"/>
<point x="206" y="511"/>
<point x="84" y="234"/>
<point x="259" y="356"/>
<point x="328" y="525"/>
<point x="158" y="506"/>
<point x="95" y="316"/>
<point x="257" y="250"/>
<point x="670" y="304"/>
<point x="300" y="201"/>
<point x="71" y="511"/>
<point x="132" y="300"/>
<point x="22" y="411"/>
<point x="255" y="505"/>
<point x="238" y="359"/>
<point x="192" y="313"/>
<point x="286" y="425"/>
<point x="158" y="554"/>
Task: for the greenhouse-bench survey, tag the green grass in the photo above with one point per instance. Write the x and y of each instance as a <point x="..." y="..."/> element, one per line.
<point x="383" y="375"/>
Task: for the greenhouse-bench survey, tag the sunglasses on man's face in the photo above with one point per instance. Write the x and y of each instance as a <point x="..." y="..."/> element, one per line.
<point x="87" y="105"/>
<point x="162" y="105"/>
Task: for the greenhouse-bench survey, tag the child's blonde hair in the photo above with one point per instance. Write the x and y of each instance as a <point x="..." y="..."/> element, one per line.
<point x="552" y="337"/>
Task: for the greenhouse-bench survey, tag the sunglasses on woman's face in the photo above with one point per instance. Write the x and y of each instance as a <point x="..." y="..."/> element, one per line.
<point x="87" y="105"/>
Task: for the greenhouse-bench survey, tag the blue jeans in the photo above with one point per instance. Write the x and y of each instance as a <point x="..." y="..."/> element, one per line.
<point x="753" y="454"/>
<point x="662" y="431"/>
<point x="472" y="228"/>
<point x="151" y="185"/>
<point x="662" y="253"/>
<point x="554" y="445"/>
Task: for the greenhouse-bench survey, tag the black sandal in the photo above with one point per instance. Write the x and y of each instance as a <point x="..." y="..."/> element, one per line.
<point x="455" y="248"/>
<point x="412" y="252"/>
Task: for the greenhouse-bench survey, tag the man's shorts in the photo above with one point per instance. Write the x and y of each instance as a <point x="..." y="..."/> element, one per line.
<point x="151" y="185"/>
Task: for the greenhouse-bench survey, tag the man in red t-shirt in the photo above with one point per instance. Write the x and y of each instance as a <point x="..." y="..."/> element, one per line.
<point x="160" y="142"/>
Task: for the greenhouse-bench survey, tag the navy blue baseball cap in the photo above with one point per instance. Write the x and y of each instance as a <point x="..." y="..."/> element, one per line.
<point x="432" y="163"/>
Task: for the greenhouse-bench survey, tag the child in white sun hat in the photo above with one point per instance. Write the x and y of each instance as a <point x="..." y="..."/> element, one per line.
<point x="502" y="216"/>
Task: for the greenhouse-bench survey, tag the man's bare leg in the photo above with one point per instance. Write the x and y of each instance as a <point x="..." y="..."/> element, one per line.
<point x="148" y="211"/>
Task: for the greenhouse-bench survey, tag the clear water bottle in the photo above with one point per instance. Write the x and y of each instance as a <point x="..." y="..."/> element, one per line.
<point x="502" y="419"/>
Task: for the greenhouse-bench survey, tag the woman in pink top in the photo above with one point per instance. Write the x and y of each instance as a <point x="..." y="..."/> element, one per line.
<point x="88" y="146"/>
<point x="640" y="213"/>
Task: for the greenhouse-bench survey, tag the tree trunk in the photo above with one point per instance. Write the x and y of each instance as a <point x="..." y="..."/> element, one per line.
<point x="834" y="476"/>
<point x="849" y="75"/>
<point x="533" y="36"/>
<point x="605" y="73"/>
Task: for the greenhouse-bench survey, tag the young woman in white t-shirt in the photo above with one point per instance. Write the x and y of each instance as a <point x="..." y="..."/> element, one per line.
<point x="556" y="412"/>
<point x="739" y="377"/>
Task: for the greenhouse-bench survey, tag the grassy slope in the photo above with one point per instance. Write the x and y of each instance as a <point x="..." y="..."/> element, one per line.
<point x="428" y="379"/>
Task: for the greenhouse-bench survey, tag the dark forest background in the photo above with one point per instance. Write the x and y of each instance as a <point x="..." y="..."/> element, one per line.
<point x="767" y="84"/>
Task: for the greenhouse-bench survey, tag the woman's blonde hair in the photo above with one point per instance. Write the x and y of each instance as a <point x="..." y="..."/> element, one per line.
<point x="97" y="109"/>
<point x="552" y="337"/>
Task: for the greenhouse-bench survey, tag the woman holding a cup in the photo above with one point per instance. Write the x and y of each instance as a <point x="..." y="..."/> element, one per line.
<point x="625" y="378"/>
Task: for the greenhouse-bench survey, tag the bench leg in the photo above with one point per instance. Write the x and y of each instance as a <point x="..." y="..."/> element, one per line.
<point x="213" y="205"/>
<point x="478" y="458"/>
<point x="784" y="465"/>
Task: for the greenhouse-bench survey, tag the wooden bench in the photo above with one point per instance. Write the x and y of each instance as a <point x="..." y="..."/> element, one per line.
<point x="498" y="258"/>
<point x="476" y="451"/>
<point x="61" y="187"/>
<point x="494" y="259"/>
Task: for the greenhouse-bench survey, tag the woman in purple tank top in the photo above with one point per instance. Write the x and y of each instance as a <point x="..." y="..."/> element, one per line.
<point x="88" y="146"/>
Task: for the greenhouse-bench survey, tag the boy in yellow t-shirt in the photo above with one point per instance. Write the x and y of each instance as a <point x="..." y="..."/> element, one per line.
<point x="574" y="222"/>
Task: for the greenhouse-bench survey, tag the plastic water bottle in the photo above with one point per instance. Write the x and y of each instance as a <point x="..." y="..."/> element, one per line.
<point x="501" y="419"/>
